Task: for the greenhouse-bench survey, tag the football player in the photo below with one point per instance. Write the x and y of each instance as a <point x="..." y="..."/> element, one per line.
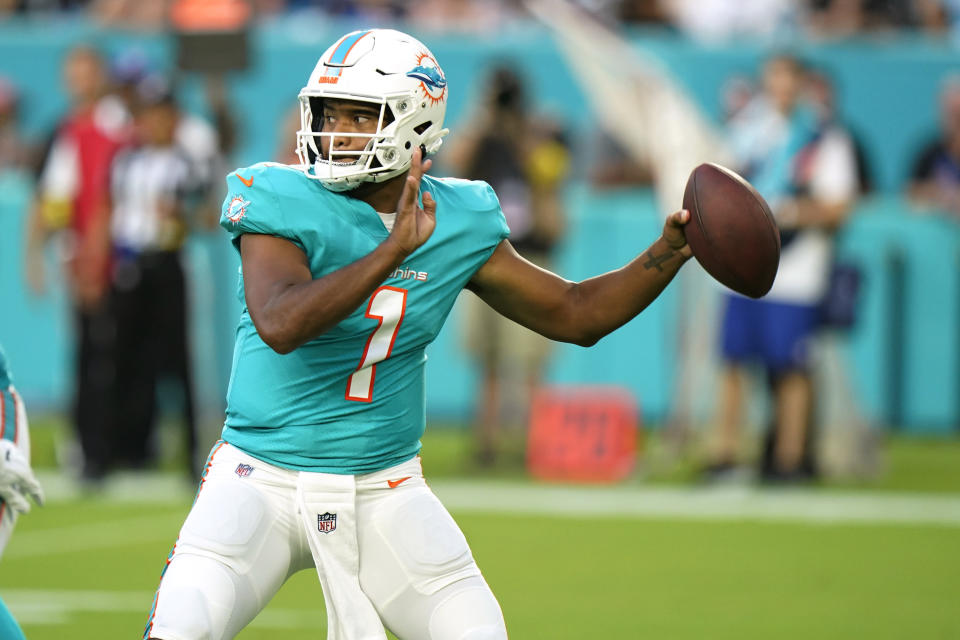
<point x="351" y="262"/>
<point x="17" y="482"/>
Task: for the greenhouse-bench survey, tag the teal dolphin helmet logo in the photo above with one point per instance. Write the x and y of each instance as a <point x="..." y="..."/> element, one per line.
<point x="430" y="76"/>
<point x="432" y="82"/>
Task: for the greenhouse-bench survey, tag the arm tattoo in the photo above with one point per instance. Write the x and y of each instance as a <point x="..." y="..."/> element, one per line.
<point x="655" y="262"/>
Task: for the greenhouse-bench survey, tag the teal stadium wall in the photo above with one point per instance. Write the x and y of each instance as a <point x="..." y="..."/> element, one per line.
<point x="887" y="89"/>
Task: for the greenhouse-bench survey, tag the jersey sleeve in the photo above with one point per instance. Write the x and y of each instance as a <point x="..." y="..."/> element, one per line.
<point x="491" y="224"/>
<point x="477" y="200"/>
<point x="480" y="223"/>
<point x="252" y="206"/>
<point x="496" y="221"/>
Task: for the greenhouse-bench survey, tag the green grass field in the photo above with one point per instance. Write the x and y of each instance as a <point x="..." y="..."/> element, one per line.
<point x="573" y="565"/>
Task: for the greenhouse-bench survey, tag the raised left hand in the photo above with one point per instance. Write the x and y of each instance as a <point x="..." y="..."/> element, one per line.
<point x="414" y="224"/>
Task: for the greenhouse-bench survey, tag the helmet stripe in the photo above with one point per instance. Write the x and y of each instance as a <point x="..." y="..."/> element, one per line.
<point x="343" y="49"/>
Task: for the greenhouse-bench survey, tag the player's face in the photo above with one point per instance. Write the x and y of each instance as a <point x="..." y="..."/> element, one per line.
<point x="781" y="80"/>
<point x="347" y="117"/>
<point x="83" y="76"/>
<point x="157" y="124"/>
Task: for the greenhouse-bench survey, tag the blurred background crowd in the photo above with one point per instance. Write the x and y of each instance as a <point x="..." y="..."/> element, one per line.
<point x="708" y="19"/>
<point x="119" y="122"/>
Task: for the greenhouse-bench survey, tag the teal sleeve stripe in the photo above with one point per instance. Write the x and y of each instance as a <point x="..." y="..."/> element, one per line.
<point x="5" y="378"/>
<point x="8" y="418"/>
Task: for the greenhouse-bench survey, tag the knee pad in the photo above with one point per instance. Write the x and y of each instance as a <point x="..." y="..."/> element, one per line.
<point x="189" y="608"/>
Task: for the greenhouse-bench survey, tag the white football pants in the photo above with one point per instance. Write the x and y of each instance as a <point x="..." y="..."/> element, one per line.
<point x="385" y="549"/>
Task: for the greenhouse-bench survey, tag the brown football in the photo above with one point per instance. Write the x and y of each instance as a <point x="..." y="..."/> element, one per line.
<point x="731" y="230"/>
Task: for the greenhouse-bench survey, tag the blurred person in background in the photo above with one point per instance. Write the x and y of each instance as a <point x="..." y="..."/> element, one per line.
<point x="156" y="187"/>
<point x="207" y="143"/>
<point x="631" y="12"/>
<point x="210" y="142"/>
<point x="373" y="11"/>
<point x="805" y="167"/>
<point x="648" y="12"/>
<point x="69" y="203"/>
<point x="289" y="124"/>
<point x="841" y="18"/>
<point x="848" y="442"/>
<point x="17" y="482"/>
<point x="613" y="167"/>
<point x="40" y="7"/>
<point x="14" y="152"/>
<point x="483" y="16"/>
<point x="935" y="175"/>
<point x="525" y="159"/>
<point x="820" y="91"/>
<point x="725" y="20"/>
<point x="737" y="93"/>
<point x="131" y="13"/>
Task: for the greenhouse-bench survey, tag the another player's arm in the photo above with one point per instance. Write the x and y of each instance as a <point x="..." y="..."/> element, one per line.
<point x="580" y="312"/>
<point x="288" y="307"/>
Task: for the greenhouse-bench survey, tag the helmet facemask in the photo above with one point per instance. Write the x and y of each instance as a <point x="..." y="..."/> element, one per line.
<point x="388" y="152"/>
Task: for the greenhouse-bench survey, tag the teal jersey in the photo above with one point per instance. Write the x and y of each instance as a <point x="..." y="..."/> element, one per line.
<point x="5" y="378"/>
<point x="351" y="400"/>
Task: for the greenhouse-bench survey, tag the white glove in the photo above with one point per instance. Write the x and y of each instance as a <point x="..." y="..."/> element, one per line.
<point x="16" y="479"/>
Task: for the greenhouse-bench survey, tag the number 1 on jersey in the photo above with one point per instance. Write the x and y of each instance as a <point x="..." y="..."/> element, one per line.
<point x="387" y="304"/>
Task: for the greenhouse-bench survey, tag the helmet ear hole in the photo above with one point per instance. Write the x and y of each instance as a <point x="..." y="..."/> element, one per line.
<point x="420" y="128"/>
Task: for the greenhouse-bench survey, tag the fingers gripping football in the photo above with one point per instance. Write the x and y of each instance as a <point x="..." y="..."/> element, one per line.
<point x="414" y="224"/>
<point x="673" y="232"/>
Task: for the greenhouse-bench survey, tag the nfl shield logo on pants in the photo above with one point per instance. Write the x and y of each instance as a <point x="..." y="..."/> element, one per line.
<point x="327" y="522"/>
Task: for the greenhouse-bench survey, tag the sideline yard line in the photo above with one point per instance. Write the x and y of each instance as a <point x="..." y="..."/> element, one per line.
<point x="810" y="505"/>
<point x="57" y="606"/>
<point x="105" y="534"/>
<point x="721" y="503"/>
<point x="147" y="487"/>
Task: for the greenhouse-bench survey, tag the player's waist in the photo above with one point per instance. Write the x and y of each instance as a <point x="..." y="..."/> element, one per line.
<point x="329" y="448"/>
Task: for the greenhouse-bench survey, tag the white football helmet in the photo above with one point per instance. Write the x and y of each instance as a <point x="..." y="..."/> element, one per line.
<point x="386" y="68"/>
